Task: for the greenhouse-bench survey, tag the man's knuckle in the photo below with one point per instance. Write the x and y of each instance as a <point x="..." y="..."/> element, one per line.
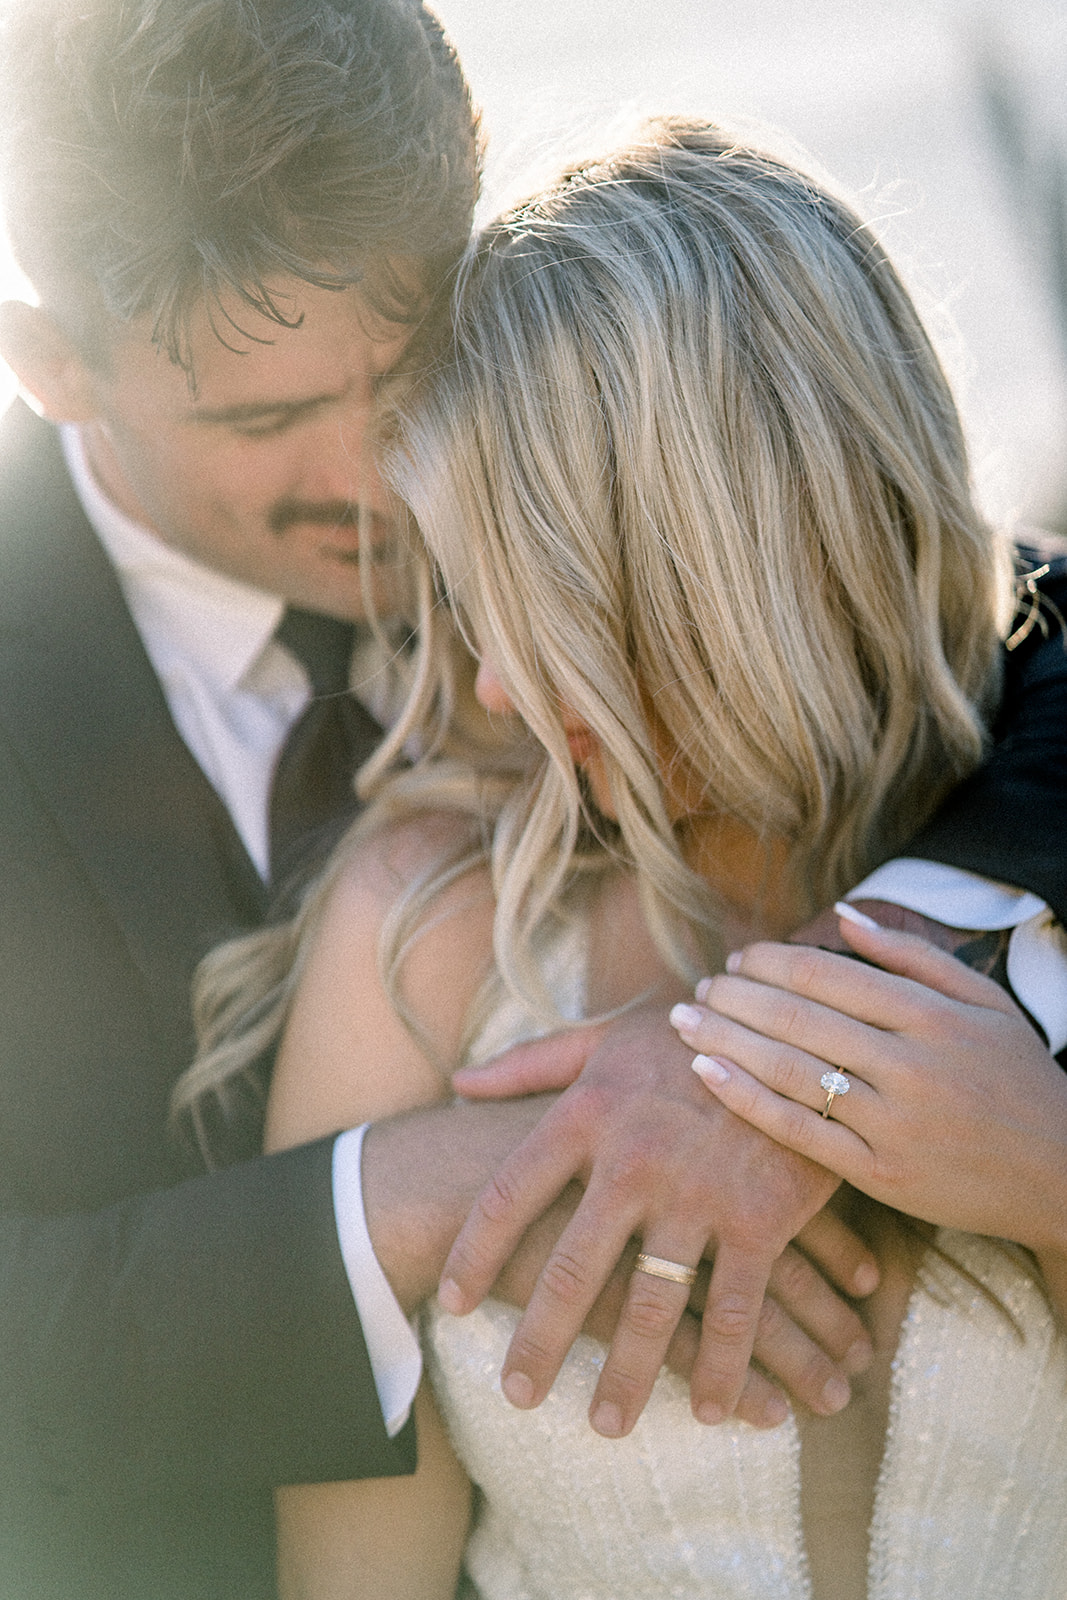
<point x="638" y="1166"/>
<point x="528" y="1354"/>
<point x="565" y="1278"/>
<point x="792" y="1275"/>
<point x="624" y="1387"/>
<point x="770" y="1319"/>
<point x="498" y="1199"/>
<point x="586" y="1106"/>
<point x="650" y="1314"/>
<point x="730" y="1319"/>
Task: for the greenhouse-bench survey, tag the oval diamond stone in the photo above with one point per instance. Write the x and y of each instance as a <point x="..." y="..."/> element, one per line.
<point x="835" y="1082"/>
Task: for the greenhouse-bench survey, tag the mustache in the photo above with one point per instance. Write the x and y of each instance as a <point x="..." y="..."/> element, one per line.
<point x="288" y="514"/>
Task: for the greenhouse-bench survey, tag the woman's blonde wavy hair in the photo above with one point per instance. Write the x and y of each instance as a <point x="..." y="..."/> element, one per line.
<point x="686" y="464"/>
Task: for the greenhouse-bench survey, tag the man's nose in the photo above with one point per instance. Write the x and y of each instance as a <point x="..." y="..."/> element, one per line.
<point x="489" y="690"/>
<point x="337" y="459"/>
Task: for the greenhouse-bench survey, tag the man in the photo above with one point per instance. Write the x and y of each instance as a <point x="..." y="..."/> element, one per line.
<point x="137" y="1456"/>
<point x="229" y="211"/>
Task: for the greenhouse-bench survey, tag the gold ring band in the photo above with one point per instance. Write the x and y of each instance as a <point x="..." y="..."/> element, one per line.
<point x="673" y="1271"/>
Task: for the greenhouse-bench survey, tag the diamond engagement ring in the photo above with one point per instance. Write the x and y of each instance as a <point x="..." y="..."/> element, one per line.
<point x="834" y="1083"/>
<point x="659" y="1267"/>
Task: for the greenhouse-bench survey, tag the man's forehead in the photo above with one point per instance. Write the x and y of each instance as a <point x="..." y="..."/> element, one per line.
<point x="240" y="361"/>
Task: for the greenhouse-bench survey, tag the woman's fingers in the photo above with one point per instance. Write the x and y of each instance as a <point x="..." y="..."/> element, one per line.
<point x="796" y="1125"/>
<point x="902" y="996"/>
<point x="784" y="1065"/>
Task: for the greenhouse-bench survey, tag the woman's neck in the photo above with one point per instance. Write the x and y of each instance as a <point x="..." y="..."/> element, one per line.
<point x="751" y="876"/>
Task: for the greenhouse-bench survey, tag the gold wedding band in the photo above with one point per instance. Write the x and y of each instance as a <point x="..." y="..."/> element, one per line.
<point x="673" y="1271"/>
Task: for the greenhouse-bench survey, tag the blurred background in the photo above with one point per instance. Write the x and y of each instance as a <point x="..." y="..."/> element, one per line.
<point x="944" y="120"/>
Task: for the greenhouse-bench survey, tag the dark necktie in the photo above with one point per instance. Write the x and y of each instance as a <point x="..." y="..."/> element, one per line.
<point x="312" y="798"/>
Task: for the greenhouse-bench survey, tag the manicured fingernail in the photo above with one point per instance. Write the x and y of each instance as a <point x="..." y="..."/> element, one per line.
<point x="708" y="1070"/>
<point x="860" y="918"/>
<point x="836" y="1395"/>
<point x="607" y="1420"/>
<point x="703" y="989"/>
<point x="775" y="1412"/>
<point x="710" y="1415"/>
<point x="858" y="1356"/>
<point x="450" y="1297"/>
<point x="733" y="961"/>
<point x="686" y="1018"/>
<point x="519" y="1390"/>
<point x="866" y="1278"/>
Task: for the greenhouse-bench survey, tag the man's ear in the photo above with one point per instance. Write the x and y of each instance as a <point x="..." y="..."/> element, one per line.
<point x="52" y="372"/>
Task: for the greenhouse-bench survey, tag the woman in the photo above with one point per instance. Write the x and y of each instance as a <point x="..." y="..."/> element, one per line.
<point x="695" y="487"/>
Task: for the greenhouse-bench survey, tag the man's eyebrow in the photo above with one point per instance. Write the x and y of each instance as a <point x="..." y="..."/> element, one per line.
<point x="254" y="411"/>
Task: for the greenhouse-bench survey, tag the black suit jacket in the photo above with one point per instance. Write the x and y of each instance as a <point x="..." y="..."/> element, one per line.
<point x="1009" y="820"/>
<point x="168" y="1350"/>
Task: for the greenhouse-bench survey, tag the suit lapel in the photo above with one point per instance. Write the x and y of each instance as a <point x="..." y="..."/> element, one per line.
<point x="90" y="722"/>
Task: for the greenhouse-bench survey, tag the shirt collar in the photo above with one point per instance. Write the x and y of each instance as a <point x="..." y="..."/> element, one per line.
<point x="217" y="624"/>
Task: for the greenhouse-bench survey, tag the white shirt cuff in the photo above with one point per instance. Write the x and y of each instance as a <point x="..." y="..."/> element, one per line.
<point x="1037" y="950"/>
<point x="395" y="1358"/>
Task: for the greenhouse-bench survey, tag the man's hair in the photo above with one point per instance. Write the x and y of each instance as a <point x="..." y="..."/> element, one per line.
<point x="157" y="156"/>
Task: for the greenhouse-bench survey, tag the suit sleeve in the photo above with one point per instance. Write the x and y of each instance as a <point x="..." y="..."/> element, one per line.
<point x="1009" y="820"/>
<point x="200" y="1334"/>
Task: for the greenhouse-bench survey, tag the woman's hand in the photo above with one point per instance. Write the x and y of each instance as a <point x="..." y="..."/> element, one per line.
<point x="955" y="1112"/>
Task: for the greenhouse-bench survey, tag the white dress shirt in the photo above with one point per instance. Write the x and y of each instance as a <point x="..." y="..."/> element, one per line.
<point x="1037" y="949"/>
<point x="234" y="692"/>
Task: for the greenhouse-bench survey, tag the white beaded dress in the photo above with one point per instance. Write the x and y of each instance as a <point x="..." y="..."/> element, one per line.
<point x="971" y="1502"/>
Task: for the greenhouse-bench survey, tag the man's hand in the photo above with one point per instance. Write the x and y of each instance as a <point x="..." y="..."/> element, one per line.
<point x="807" y="1336"/>
<point x="983" y="950"/>
<point x="660" y="1163"/>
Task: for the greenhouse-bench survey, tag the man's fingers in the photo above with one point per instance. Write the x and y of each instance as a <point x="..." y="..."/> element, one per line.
<point x="580" y="1264"/>
<point x="731" y="1316"/>
<point x="840" y="1254"/>
<point x="527" y="1183"/>
<point x="762" y="1403"/>
<point x="911" y="957"/>
<point x="650" y="1314"/>
<point x="535" y="1067"/>
<point x="824" y="1315"/>
<point x="800" y="1365"/>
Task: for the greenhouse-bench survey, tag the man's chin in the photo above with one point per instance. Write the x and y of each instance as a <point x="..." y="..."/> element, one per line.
<point x="345" y="599"/>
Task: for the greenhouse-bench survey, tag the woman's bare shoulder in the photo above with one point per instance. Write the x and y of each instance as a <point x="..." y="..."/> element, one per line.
<point x="375" y="1022"/>
<point x="375" y="871"/>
